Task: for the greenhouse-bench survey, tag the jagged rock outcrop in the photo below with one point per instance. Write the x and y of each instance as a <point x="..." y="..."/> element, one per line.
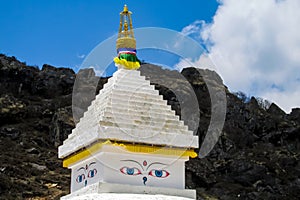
<point x="256" y="157"/>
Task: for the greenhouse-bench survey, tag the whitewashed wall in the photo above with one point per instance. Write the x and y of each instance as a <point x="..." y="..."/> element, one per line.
<point x="114" y="166"/>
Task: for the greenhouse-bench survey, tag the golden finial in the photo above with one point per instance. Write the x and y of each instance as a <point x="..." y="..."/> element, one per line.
<point x="125" y="10"/>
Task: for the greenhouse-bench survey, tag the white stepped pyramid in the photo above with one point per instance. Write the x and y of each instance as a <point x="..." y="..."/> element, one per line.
<point x="129" y="144"/>
<point x="129" y="109"/>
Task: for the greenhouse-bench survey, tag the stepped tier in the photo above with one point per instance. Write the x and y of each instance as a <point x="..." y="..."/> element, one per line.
<point x="129" y="109"/>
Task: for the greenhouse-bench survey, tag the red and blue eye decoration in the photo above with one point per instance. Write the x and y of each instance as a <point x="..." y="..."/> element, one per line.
<point x="159" y="173"/>
<point x="130" y="171"/>
<point x="92" y="173"/>
<point x="80" y="178"/>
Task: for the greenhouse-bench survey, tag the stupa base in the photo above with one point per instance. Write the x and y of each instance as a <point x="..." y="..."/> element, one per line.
<point x="121" y="191"/>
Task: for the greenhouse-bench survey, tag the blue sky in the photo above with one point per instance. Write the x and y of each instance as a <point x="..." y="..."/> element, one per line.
<point x="61" y="32"/>
<point x="253" y="45"/>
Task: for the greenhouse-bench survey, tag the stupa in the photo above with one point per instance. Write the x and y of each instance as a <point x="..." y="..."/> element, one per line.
<point x="129" y="141"/>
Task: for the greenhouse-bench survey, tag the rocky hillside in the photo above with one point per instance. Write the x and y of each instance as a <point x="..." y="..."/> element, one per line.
<point x="257" y="156"/>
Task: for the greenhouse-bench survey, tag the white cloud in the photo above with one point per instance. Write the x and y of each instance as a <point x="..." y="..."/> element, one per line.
<point x="193" y="28"/>
<point x="256" y="47"/>
<point x="82" y="56"/>
<point x="286" y="99"/>
<point x="202" y="62"/>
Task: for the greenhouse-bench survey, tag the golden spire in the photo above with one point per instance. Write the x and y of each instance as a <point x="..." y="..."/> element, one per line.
<point x="126" y="35"/>
<point x="126" y="44"/>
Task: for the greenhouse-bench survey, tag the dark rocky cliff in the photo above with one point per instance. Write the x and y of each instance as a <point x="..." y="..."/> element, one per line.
<point x="256" y="157"/>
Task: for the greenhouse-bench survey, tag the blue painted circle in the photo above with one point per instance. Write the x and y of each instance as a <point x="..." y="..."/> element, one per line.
<point x="130" y="171"/>
<point x="158" y="173"/>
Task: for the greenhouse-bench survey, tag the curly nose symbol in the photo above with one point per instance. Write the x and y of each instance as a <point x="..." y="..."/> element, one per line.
<point x="145" y="180"/>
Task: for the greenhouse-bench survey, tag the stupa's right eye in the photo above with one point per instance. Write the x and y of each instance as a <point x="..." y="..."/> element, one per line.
<point x="80" y="178"/>
<point x="159" y="173"/>
<point x="92" y="173"/>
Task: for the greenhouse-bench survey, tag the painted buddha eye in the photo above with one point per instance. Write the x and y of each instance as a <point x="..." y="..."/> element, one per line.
<point x="92" y="173"/>
<point x="80" y="178"/>
<point x="130" y="171"/>
<point x="159" y="173"/>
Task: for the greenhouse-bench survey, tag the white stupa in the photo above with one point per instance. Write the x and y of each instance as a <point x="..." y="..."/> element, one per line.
<point x="129" y="141"/>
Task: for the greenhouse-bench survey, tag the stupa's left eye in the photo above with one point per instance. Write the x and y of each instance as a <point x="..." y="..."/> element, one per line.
<point x="159" y="173"/>
<point x="80" y="178"/>
<point x="130" y="171"/>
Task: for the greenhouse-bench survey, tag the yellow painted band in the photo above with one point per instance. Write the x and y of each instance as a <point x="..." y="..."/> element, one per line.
<point x="137" y="148"/>
<point x="84" y="153"/>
